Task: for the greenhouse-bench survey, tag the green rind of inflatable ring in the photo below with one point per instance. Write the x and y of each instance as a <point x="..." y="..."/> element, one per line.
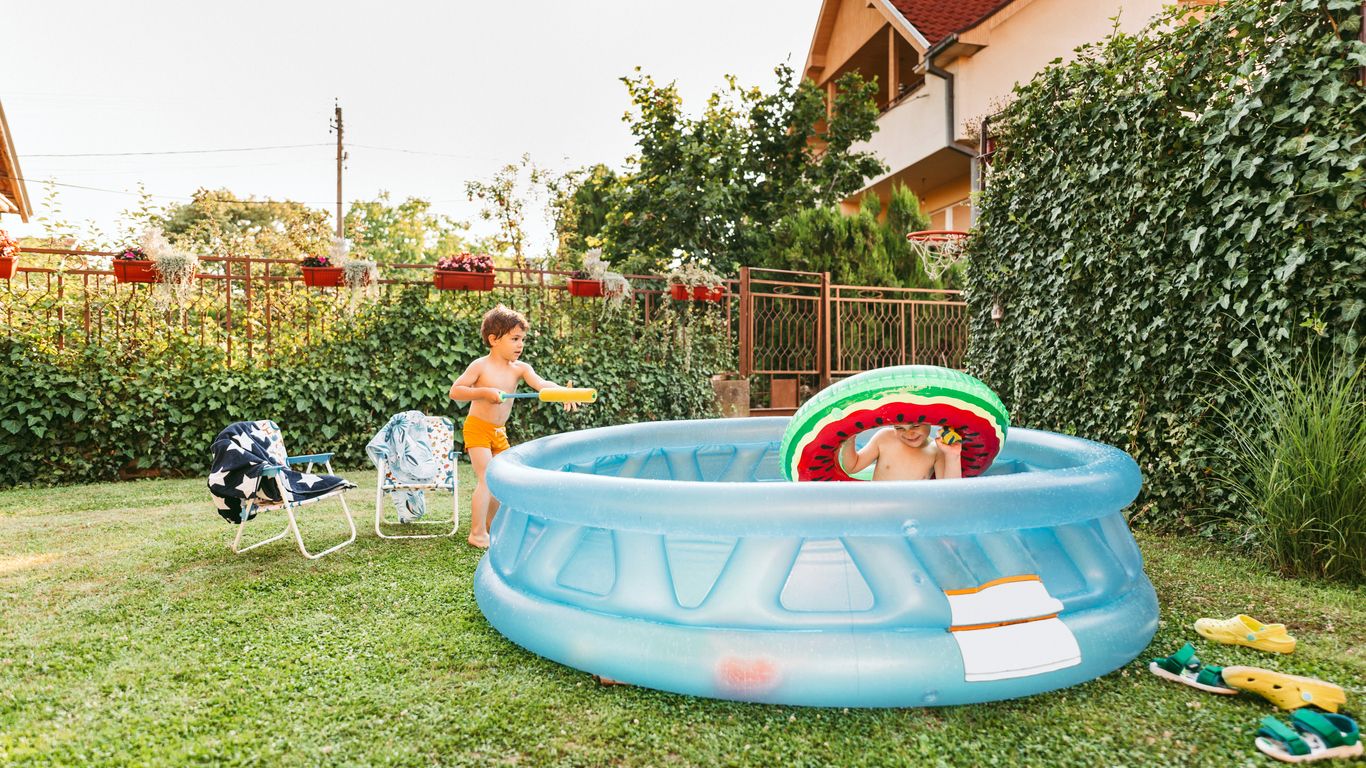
<point x="920" y="380"/>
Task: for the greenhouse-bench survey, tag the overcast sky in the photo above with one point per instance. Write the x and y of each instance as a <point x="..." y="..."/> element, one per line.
<point x="463" y="87"/>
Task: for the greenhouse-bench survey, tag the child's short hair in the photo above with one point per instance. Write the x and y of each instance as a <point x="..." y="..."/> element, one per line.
<point x="500" y="321"/>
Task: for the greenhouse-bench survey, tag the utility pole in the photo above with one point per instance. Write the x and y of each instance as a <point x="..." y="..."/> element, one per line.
<point x="341" y="157"/>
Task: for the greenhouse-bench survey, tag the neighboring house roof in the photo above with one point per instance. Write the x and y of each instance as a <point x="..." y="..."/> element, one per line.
<point x="937" y="19"/>
<point x="13" y="193"/>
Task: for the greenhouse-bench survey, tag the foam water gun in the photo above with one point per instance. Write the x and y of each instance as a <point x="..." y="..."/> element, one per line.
<point x="949" y="436"/>
<point x="555" y="395"/>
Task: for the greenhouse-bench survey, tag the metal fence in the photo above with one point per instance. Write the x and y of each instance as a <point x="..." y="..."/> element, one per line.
<point x="246" y="307"/>
<point x="798" y="332"/>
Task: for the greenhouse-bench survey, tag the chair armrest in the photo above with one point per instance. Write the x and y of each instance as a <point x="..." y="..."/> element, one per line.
<point x="316" y="458"/>
<point x="271" y="470"/>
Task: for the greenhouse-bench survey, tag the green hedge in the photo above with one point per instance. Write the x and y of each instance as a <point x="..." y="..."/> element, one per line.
<point x="94" y="413"/>
<point x="1166" y="210"/>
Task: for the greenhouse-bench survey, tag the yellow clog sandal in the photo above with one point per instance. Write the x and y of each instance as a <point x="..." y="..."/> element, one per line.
<point x="1285" y="691"/>
<point x="1311" y="737"/>
<point x="1245" y="630"/>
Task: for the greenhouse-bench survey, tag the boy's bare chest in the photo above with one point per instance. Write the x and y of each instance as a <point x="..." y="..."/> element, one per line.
<point x="505" y="378"/>
<point x="900" y="462"/>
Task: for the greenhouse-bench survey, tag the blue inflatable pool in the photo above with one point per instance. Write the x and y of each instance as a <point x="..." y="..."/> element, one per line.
<point x="673" y="555"/>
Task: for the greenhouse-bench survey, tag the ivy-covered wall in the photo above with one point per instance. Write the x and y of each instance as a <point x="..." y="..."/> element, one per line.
<point x="1166" y="209"/>
<point x="90" y="414"/>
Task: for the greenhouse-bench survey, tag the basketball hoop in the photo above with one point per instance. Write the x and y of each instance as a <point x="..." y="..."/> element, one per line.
<point x="938" y="249"/>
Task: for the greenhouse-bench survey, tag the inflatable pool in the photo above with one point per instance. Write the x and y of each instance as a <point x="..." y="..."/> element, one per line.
<point x="674" y="555"/>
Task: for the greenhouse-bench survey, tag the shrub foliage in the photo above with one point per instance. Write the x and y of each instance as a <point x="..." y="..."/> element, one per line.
<point x="1165" y="210"/>
<point x="95" y="412"/>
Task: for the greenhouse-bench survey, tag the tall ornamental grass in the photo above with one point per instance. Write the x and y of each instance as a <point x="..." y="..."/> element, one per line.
<point x="1298" y="466"/>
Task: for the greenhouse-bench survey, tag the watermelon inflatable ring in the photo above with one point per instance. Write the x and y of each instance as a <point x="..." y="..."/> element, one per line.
<point x="906" y="394"/>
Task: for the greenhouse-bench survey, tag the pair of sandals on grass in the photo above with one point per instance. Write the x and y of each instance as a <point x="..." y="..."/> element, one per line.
<point x="1310" y="736"/>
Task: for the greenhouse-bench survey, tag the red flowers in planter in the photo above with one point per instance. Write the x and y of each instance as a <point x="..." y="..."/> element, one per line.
<point x="9" y="256"/>
<point x="132" y="265"/>
<point x="464" y="272"/>
<point x="320" y="272"/>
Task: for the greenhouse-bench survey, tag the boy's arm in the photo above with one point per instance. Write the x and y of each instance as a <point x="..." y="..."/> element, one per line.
<point x="537" y="383"/>
<point x="534" y="379"/>
<point x="857" y="461"/>
<point x="463" y="389"/>
<point x="948" y="463"/>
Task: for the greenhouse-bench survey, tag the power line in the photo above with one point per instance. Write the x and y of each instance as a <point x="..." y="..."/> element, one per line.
<point x="178" y="151"/>
<point x="169" y="197"/>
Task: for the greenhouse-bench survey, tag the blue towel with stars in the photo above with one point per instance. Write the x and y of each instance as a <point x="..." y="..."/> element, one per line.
<point x="242" y="454"/>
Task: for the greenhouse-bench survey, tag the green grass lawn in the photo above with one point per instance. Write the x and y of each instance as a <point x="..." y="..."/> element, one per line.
<point x="130" y="634"/>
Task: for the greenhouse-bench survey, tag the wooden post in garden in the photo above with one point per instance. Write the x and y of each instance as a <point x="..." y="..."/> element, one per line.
<point x="341" y="156"/>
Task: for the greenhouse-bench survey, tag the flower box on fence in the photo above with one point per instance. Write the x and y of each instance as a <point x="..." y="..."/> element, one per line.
<point x="322" y="277"/>
<point x="682" y="292"/>
<point x="135" y="271"/>
<point x="585" y="287"/>
<point x="9" y="256"/>
<point x="451" y="280"/>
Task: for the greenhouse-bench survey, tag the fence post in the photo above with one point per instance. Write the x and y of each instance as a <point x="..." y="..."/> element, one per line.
<point x="746" y="362"/>
<point x="247" y="296"/>
<point x="227" y="310"/>
<point x="825" y="338"/>
<point x="915" y="335"/>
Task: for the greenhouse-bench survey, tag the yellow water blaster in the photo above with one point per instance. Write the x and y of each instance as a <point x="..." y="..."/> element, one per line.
<point x="556" y="395"/>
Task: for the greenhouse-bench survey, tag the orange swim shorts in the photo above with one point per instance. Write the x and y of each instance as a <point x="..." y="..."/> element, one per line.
<point x="482" y="434"/>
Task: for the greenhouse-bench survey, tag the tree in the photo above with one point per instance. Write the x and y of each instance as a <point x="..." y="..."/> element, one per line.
<point x="218" y="222"/>
<point x="504" y="203"/>
<point x="715" y="186"/>
<point x="406" y="233"/>
<point x="856" y="250"/>
<point x="580" y="202"/>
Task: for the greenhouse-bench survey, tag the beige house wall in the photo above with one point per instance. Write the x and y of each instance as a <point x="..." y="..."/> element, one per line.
<point x="1023" y="38"/>
<point x="1010" y="47"/>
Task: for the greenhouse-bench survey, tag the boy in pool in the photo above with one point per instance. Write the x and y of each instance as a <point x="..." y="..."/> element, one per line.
<point x="483" y="385"/>
<point x="905" y="452"/>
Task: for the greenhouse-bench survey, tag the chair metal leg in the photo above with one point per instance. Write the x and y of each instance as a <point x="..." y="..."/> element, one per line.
<point x="455" y="514"/>
<point x="298" y="537"/>
<point x="455" y="520"/>
<point x="237" y="547"/>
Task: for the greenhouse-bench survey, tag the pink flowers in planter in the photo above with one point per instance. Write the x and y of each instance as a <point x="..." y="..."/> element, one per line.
<point x="464" y="272"/>
<point x="466" y="262"/>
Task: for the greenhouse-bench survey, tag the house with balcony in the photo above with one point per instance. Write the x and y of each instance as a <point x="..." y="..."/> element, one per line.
<point x="943" y="65"/>
<point x="13" y="193"/>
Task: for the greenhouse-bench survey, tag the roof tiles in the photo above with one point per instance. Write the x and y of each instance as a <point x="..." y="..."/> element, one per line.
<point x="937" y="19"/>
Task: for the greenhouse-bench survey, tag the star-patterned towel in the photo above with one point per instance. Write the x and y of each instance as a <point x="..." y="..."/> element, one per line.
<point x="242" y="452"/>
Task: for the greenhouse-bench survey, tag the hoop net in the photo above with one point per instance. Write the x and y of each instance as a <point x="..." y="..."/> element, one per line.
<point x="938" y="249"/>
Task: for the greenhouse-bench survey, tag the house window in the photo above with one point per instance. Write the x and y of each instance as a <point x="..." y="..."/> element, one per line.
<point x="956" y="216"/>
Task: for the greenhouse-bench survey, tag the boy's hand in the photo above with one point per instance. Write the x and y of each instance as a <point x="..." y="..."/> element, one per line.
<point x="493" y="395"/>
<point x="951" y="449"/>
<point x="570" y="406"/>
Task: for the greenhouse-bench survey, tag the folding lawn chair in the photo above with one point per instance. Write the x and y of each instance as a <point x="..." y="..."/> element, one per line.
<point x="414" y="453"/>
<point x="252" y="474"/>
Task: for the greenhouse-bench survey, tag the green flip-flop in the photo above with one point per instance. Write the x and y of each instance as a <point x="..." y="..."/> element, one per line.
<point x="1185" y="668"/>
<point x="1313" y="737"/>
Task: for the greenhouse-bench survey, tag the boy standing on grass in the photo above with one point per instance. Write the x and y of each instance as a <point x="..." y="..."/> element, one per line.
<point x="483" y="385"/>
<point x="904" y="452"/>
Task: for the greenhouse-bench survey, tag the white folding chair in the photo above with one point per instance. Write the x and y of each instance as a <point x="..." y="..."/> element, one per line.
<point x="256" y="504"/>
<point x="441" y="438"/>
